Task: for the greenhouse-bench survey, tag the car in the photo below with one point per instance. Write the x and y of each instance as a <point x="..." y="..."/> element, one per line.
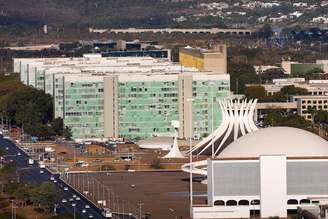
<point x="71" y="199"/>
<point x="65" y="188"/>
<point x="90" y="216"/>
<point x="7" y="148"/>
<point x="64" y="200"/>
<point x="41" y="171"/>
<point x="19" y="154"/>
<point x="52" y="178"/>
<point x="77" y="198"/>
<point x="55" y="181"/>
<point x="84" y="211"/>
<point x="74" y="196"/>
<point x="87" y="206"/>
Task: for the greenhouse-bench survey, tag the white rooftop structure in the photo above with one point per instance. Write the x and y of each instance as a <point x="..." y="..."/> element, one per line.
<point x="291" y="142"/>
<point x="175" y="151"/>
<point x="163" y="143"/>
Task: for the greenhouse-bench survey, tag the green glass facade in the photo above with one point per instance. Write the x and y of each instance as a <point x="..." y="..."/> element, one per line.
<point x="147" y="108"/>
<point x="83" y="109"/>
<point x="207" y="114"/>
<point x="303" y="68"/>
<point x="40" y="80"/>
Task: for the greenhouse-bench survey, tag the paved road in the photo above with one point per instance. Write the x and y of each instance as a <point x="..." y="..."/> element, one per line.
<point x="31" y="174"/>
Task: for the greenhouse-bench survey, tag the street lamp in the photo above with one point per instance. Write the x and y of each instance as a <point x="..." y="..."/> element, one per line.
<point x="212" y="117"/>
<point x="12" y="209"/>
<point x="74" y="205"/>
<point x="190" y="100"/>
<point x="140" y="204"/>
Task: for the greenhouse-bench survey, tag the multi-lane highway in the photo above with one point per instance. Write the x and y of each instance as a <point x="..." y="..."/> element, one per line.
<point x="33" y="174"/>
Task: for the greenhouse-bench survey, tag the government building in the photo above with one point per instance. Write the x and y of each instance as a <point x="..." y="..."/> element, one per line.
<point x="267" y="172"/>
<point x="134" y="98"/>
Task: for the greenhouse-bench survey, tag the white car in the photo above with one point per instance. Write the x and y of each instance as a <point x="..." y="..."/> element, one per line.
<point x="74" y="196"/>
<point x="84" y="211"/>
<point x="87" y="206"/>
<point x="64" y="201"/>
<point x="7" y="148"/>
<point x="55" y="181"/>
<point x="77" y="198"/>
<point x="52" y="178"/>
<point x="71" y="199"/>
<point x="65" y="189"/>
<point x="90" y="216"/>
<point x="41" y="171"/>
<point x="19" y="154"/>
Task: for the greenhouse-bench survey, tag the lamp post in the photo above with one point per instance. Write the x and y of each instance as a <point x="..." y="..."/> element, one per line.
<point x="212" y="117"/>
<point x="140" y="204"/>
<point x="73" y="205"/>
<point x="190" y="100"/>
<point x="12" y="209"/>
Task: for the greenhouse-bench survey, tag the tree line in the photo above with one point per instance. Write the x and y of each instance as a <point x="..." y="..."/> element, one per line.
<point x="28" y="108"/>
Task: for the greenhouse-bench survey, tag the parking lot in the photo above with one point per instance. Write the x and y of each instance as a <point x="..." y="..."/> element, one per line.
<point x="163" y="194"/>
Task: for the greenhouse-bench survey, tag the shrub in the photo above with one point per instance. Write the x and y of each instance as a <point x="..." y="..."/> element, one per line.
<point x="156" y="164"/>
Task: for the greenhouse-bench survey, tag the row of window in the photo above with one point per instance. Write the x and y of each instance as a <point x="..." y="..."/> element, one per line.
<point x="315" y="101"/>
<point x="141" y="95"/>
<point x="154" y="129"/>
<point x="314" y="107"/>
<point x="257" y="202"/>
<point x="166" y="83"/>
<point x="214" y="89"/>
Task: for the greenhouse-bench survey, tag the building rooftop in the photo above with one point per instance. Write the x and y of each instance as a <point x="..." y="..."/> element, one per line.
<point x="288" y="141"/>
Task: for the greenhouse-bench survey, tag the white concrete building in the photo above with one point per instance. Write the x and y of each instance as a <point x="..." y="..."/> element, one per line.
<point x="267" y="172"/>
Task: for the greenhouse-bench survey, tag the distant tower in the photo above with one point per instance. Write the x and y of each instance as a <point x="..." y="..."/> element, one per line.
<point x="175" y="152"/>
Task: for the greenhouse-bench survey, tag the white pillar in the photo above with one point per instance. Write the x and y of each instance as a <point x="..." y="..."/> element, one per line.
<point x="273" y="186"/>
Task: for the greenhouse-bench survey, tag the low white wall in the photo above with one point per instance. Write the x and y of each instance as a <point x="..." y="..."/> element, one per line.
<point x="220" y="212"/>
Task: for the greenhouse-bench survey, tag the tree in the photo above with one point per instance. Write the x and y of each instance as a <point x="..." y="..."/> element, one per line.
<point x="23" y="192"/>
<point x="108" y="167"/>
<point x="67" y="133"/>
<point x="271" y="74"/>
<point x="296" y="121"/>
<point x="9" y="168"/>
<point x="29" y="108"/>
<point x="256" y="92"/>
<point x="57" y="125"/>
<point x="2" y="152"/>
<point x="44" y="195"/>
<point x="321" y="117"/>
<point x="156" y="164"/>
<point x="266" y="30"/>
<point x="240" y="75"/>
<point x="272" y="119"/>
<point x="292" y="90"/>
<point x="12" y="187"/>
